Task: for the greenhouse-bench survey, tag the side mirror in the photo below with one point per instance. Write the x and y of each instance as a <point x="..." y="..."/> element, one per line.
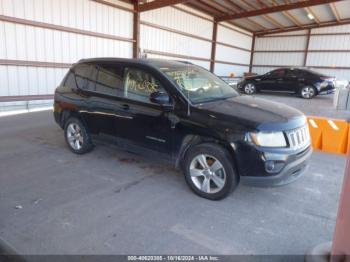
<point x="159" y="98"/>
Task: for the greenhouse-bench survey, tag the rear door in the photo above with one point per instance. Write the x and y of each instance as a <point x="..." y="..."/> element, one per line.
<point x="104" y="90"/>
<point x="291" y="80"/>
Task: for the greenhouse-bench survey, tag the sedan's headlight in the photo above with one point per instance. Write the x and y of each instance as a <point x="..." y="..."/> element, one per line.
<point x="269" y="139"/>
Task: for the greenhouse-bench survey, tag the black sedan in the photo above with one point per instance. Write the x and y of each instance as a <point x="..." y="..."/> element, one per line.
<point x="303" y="82"/>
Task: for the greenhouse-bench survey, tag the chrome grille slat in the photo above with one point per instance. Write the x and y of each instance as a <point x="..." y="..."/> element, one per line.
<point x="299" y="137"/>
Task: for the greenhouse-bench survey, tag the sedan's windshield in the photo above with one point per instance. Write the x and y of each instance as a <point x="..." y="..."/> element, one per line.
<point x="197" y="84"/>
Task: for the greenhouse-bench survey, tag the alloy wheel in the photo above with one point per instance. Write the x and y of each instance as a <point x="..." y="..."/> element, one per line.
<point x="249" y="89"/>
<point x="307" y="92"/>
<point x="75" y="136"/>
<point x="207" y="173"/>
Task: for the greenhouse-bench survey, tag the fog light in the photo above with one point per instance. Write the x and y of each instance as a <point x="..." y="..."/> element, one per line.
<point x="270" y="166"/>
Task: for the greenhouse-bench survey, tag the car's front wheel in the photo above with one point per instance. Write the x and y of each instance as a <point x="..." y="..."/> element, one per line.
<point x="249" y="89"/>
<point x="77" y="137"/>
<point x="209" y="171"/>
<point x="308" y="92"/>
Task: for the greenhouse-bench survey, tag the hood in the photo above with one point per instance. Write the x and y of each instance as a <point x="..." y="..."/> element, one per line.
<point x="254" y="113"/>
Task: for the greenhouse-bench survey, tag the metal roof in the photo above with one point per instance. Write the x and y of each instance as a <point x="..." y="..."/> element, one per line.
<point x="267" y="16"/>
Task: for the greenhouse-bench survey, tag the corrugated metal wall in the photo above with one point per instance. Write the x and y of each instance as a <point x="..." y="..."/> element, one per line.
<point x="237" y="50"/>
<point x="22" y="42"/>
<point x="162" y="30"/>
<point x="328" y="51"/>
<point x="39" y="39"/>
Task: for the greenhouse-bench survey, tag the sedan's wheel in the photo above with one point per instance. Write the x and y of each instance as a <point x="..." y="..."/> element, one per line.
<point x="249" y="89"/>
<point x="77" y="137"/>
<point x="209" y="171"/>
<point x="308" y="92"/>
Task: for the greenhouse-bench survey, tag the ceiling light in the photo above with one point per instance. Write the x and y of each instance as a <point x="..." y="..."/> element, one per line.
<point x="310" y="16"/>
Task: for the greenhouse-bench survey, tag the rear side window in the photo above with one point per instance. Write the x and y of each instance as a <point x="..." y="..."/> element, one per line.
<point x="81" y="73"/>
<point x="109" y="80"/>
<point x="70" y="80"/>
<point x="77" y="77"/>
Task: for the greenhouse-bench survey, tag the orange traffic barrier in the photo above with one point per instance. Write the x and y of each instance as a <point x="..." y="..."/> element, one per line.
<point x="316" y="126"/>
<point x="335" y="136"/>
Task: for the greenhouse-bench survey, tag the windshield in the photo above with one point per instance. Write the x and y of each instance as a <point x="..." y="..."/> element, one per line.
<point x="198" y="84"/>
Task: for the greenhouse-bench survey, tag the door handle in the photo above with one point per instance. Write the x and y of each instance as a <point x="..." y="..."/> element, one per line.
<point x="125" y="107"/>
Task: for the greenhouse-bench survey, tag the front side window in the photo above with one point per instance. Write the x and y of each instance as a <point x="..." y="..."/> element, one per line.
<point x="138" y="85"/>
<point x="197" y="84"/>
<point x="277" y="73"/>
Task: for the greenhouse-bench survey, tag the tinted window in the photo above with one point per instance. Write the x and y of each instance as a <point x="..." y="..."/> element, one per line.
<point x="70" y="80"/>
<point x="81" y="71"/>
<point x="140" y="84"/>
<point x="109" y="80"/>
<point x="277" y="73"/>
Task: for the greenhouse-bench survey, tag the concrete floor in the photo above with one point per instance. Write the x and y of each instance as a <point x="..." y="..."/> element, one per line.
<point x="113" y="202"/>
<point x="321" y="105"/>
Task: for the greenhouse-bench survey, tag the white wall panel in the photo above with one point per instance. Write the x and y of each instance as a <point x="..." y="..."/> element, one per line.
<point x="340" y="74"/>
<point x="22" y="80"/>
<point x="280" y="43"/>
<point x="332" y="29"/>
<point x="292" y="33"/>
<point x="283" y="59"/>
<point x="179" y="20"/>
<point x="49" y="45"/>
<point x="231" y="37"/>
<point x="29" y="43"/>
<point x="160" y="40"/>
<point x="317" y="42"/>
<point x="329" y="59"/>
<point x="204" y="64"/>
<point x="329" y="42"/>
<point x="227" y="70"/>
<point x="80" y="14"/>
<point x="233" y="55"/>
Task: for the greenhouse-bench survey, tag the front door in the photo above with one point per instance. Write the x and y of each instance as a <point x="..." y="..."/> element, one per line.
<point x="273" y="81"/>
<point x="150" y="124"/>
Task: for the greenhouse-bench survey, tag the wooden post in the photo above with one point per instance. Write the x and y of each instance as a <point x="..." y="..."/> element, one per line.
<point x="252" y="54"/>
<point x="341" y="239"/>
<point x="213" y="46"/>
<point x="136" y="30"/>
<point x="307" y="46"/>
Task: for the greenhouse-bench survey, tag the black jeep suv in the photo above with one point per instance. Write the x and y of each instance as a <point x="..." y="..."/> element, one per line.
<point x="185" y="113"/>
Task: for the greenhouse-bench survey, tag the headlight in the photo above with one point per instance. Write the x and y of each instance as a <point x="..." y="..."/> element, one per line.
<point x="269" y="139"/>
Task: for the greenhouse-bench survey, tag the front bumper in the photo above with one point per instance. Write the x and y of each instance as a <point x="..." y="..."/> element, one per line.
<point x="252" y="163"/>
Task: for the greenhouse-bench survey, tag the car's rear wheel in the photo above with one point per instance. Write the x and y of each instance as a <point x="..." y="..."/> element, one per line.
<point x="209" y="171"/>
<point x="249" y="89"/>
<point x="308" y="92"/>
<point x="77" y="137"/>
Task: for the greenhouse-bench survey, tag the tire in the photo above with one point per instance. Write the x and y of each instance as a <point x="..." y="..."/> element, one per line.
<point x="77" y="137"/>
<point x="204" y="181"/>
<point x="249" y="89"/>
<point x="308" y="92"/>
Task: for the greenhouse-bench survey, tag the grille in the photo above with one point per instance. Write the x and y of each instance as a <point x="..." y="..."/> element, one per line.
<point x="298" y="138"/>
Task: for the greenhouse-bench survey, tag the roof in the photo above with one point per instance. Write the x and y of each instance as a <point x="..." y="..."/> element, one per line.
<point x="267" y="16"/>
<point x="154" y="62"/>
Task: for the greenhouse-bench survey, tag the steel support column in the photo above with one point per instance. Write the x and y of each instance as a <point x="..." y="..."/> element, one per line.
<point x="213" y="47"/>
